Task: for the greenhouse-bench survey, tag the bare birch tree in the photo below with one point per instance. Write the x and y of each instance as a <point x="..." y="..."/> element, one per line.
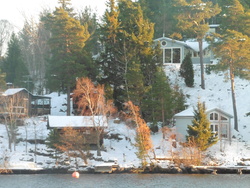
<point x="13" y="108"/>
<point x="91" y="101"/>
<point x="5" y="32"/>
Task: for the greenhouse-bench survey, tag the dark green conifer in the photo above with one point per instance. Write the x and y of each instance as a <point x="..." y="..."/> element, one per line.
<point x="187" y="71"/>
<point x="200" y="131"/>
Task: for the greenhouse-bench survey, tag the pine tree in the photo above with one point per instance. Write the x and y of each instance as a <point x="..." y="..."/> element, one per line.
<point x="127" y="37"/>
<point x="187" y="71"/>
<point x="200" y="131"/>
<point x="13" y="64"/>
<point x="158" y="105"/>
<point x="67" y="40"/>
<point x="111" y="61"/>
<point x="193" y="21"/>
<point x="234" y="16"/>
<point x="233" y="50"/>
<point x="162" y="14"/>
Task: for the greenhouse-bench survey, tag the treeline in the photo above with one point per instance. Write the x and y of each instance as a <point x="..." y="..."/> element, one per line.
<point x="117" y="51"/>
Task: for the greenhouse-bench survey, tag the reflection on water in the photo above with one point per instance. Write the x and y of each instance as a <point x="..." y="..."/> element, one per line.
<point x="125" y="181"/>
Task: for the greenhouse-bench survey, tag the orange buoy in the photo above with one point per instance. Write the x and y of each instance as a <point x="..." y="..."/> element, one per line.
<point x="75" y="175"/>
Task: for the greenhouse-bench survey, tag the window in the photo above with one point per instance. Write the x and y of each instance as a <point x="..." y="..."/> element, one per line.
<point x="173" y="55"/>
<point x="214" y="129"/>
<point x="214" y="116"/>
<point x="224" y="130"/>
<point x="211" y="116"/>
<point x="176" y="55"/>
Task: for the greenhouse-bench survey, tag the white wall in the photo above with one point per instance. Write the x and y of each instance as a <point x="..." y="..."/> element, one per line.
<point x="181" y="127"/>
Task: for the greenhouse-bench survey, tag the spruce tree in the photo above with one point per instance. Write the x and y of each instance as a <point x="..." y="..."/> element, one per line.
<point x="158" y="104"/>
<point x="67" y="40"/>
<point x="127" y="37"/>
<point x="13" y="64"/>
<point x="187" y="71"/>
<point x="200" y="131"/>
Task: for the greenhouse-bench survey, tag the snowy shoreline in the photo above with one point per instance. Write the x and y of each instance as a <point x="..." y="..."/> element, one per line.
<point x="156" y="170"/>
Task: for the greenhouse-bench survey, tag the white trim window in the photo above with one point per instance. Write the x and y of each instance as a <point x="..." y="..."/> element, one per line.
<point x="215" y="129"/>
<point x="173" y="55"/>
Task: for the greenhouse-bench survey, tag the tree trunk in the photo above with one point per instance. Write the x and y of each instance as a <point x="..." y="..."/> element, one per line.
<point x="98" y="132"/>
<point x="201" y="64"/>
<point x="233" y="97"/>
<point x="68" y="100"/>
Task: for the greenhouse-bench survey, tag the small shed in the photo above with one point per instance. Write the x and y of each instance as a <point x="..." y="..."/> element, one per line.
<point x="220" y="123"/>
<point x="88" y="125"/>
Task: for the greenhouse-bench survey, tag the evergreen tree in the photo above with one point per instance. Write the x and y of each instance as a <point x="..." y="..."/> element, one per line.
<point x="2" y="80"/>
<point x="158" y="106"/>
<point x="187" y="71"/>
<point x="135" y="83"/>
<point x="127" y="37"/>
<point x="233" y="50"/>
<point x="162" y="14"/>
<point x="111" y="57"/>
<point x="67" y="40"/>
<point x="234" y="16"/>
<point x="193" y="21"/>
<point x="13" y="64"/>
<point x="200" y="131"/>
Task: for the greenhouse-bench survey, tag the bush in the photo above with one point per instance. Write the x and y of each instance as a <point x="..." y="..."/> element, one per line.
<point x="187" y="71"/>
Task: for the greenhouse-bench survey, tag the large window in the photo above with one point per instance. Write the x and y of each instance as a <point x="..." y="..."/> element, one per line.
<point x="215" y="116"/>
<point x="173" y="55"/>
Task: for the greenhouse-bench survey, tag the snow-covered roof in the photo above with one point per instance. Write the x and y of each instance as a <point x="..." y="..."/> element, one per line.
<point x="190" y="112"/>
<point x="77" y="121"/>
<point x="193" y="44"/>
<point x="13" y="91"/>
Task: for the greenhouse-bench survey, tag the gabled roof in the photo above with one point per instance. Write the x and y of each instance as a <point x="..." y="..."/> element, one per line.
<point x="193" y="44"/>
<point x="13" y="91"/>
<point x="60" y="122"/>
<point x="190" y="113"/>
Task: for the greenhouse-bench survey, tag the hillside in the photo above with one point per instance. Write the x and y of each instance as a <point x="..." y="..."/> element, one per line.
<point x="118" y="145"/>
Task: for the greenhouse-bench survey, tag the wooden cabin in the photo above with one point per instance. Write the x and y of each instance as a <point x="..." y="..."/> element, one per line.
<point x="20" y="102"/>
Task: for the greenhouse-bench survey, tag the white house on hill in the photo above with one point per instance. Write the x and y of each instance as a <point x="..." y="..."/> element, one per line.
<point x="220" y="123"/>
<point x="174" y="51"/>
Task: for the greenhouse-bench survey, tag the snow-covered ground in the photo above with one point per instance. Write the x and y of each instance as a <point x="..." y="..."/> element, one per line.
<point x="216" y="94"/>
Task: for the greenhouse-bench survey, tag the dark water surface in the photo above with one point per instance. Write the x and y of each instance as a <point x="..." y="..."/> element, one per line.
<point x="125" y="181"/>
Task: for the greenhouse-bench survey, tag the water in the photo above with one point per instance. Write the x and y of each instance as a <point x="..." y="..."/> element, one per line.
<point x="125" y="181"/>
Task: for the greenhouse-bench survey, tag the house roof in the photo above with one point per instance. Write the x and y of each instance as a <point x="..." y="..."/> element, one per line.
<point x="190" y="112"/>
<point x="13" y="91"/>
<point x="193" y="44"/>
<point x="60" y="122"/>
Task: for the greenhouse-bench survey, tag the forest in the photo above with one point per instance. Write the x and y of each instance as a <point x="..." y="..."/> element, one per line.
<point x="118" y="50"/>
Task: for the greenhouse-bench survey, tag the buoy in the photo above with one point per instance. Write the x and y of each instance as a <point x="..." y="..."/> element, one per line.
<point x="214" y="172"/>
<point x="75" y="175"/>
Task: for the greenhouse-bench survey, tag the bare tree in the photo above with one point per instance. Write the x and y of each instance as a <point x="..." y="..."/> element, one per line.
<point x="143" y="138"/>
<point x="34" y="48"/>
<point x="71" y="141"/>
<point x="5" y="32"/>
<point x="91" y="102"/>
<point x="12" y="109"/>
